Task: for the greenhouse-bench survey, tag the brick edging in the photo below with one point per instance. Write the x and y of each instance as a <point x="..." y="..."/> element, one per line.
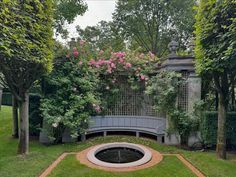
<point x="55" y="163"/>
<point x="188" y="164"/>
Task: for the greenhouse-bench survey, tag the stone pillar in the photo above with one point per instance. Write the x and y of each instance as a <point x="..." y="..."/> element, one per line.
<point x="67" y="138"/>
<point x="173" y="138"/>
<point x="194" y="90"/>
<point x="43" y="136"/>
<point x="194" y="95"/>
<point x="183" y="64"/>
<point x="159" y="139"/>
<point x="83" y="137"/>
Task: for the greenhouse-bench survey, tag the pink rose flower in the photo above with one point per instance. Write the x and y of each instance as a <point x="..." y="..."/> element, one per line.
<point x="75" y="53"/>
<point x="121" y="60"/>
<point x="128" y="65"/>
<point x="113" y="65"/>
<point x="119" y="54"/>
<point x="97" y="108"/>
<point x="141" y="55"/>
<point x="109" y="70"/>
<point x="68" y="56"/>
<point x="97" y="65"/>
<point x="92" y="62"/>
<point x="142" y="77"/>
<point x="81" y="42"/>
<point x="151" y="54"/>
<point x="100" y="52"/>
<point x="80" y="63"/>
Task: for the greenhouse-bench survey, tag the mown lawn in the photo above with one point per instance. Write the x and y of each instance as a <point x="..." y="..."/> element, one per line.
<point x="40" y="156"/>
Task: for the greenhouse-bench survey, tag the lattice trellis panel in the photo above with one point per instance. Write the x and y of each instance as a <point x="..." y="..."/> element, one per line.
<point x="183" y="96"/>
<point x="131" y="102"/>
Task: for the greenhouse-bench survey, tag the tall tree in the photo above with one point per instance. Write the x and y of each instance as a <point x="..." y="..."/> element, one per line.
<point x="152" y="23"/>
<point x="102" y="36"/>
<point x="216" y="54"/>
<point x="25" y="52"/>
<point x="65" y="11"/>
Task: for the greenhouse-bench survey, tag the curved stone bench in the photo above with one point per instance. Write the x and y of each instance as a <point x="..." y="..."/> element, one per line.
<point x="102" y="124"/>
<point x="139" y="124"/>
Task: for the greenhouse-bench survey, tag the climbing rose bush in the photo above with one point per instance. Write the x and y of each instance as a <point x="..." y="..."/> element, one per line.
<point x="71" y="96"/>
<point x="84" y="81"/>
<point x="136" y="67"/>
<point x="117" y="70"/>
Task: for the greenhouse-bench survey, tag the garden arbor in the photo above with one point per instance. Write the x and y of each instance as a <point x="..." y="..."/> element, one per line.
<point x="132" y="110"/>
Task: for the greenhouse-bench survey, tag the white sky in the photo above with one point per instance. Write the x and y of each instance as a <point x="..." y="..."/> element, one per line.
<point x="97" y="10"/>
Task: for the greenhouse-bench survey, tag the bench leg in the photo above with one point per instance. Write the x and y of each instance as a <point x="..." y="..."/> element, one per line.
<point x="137" y="134"/>
<point x="105" y="133"/>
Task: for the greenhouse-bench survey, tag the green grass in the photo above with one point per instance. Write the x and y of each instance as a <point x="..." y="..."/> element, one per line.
<point x="40" y="156"/>
<point x="169" y="167"/>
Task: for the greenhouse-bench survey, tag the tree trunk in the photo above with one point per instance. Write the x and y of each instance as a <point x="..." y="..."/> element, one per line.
<point x="23" y="147"/>
<point x="221" y="134"/>
<point x="216" y="101"/>
<point x="0" y="97"/>
<point x="15" y="117"/>
<point x="233" y="96"/>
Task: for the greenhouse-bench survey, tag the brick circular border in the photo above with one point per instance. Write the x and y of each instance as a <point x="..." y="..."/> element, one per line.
<point x="155" y="159"/>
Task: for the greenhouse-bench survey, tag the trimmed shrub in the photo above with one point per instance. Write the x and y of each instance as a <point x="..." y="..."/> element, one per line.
<point x="6" y="99"/>
<point x="209" y="129"/>
<point x="35" y="119"/>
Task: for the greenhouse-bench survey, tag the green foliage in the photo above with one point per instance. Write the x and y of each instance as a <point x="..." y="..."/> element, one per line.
<point x="35" y="118"/>
<point x="66" y="11"/>
<point x="25" y="42"/>
<point x="215" y="53"/>
<point x="71" y="97"/>
<point x="102" y="36"/>
<point x="152" y="23"/>
<point x="209" y="129"/>
<point x="121" y="72"/>
<point x="216" y="36"/>
<point x="164" y="88"/>
<point x="42" y="156"/>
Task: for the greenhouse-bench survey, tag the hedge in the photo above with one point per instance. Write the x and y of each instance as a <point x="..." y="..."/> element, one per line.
<point x="209" y="129"/>
<point x="35" y="119"/>
<point x="6" y="99"/>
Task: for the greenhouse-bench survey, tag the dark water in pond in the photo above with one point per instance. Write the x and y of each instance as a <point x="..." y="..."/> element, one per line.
<point x="119" y="155"/>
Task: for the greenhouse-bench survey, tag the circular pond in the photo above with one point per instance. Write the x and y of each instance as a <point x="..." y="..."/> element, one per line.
<point x="119" y="155"/>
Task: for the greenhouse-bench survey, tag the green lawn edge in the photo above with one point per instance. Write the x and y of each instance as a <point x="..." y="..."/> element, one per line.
<point x="41" y="156"/>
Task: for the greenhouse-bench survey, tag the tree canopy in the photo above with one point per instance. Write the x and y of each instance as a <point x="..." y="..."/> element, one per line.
<point x="25" y="51"/>
<point x="102" y="36"/>
<point x="216" y="54"/>
<point x="65" y="11"/>
<point x="152" y="23"/>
